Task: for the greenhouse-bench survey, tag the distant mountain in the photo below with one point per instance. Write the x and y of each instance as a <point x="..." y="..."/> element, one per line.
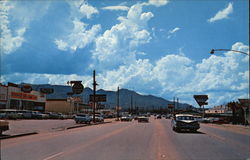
<point x="127" y="97"/>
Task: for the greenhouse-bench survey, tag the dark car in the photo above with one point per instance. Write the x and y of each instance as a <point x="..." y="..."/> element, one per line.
<point x="158" y="117"/>
<point x="142" y="119"/>
<point x="185" y="122"/>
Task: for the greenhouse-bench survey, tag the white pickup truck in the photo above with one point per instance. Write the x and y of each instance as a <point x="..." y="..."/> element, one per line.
<point x="4" y="126"/>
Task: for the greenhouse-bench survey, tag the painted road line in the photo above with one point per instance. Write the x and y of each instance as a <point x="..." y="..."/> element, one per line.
<point x="53" y="156"/>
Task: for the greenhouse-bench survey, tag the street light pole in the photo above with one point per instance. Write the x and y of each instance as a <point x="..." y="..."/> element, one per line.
<point x="213" y="50"/>
<point x="94" y="95"/>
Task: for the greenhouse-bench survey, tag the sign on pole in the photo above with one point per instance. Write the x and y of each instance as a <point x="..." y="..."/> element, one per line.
<point x="201" y="99"/>
<point x="77" y="88"/>
<point x="245" y="102"/>
<point x="26" y="88"/>
<point x="170" y="106"/>
<point x="98" y="98"/>
<point x="46" y="90"/>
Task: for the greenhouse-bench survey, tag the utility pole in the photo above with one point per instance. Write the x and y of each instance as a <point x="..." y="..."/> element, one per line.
<point x="174" y="105"/>
<point x="131" y="105"/>
<point x="177" y="102"/>
<point x="94" y="95"/>
<point x="118" y="103"/>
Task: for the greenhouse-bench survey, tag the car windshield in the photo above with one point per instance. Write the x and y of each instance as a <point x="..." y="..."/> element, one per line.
<point x="185" y="118"/>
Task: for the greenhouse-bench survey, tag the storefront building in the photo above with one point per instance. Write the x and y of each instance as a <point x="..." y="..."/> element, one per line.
<point x="3" y="96"/>
<point x="12" y="97"/>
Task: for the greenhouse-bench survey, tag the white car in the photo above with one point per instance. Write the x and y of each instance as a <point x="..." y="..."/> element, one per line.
<point x="185" y="122"/>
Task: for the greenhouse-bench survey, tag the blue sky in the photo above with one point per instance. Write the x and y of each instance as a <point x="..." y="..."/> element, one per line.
<point x="156" y="47"/>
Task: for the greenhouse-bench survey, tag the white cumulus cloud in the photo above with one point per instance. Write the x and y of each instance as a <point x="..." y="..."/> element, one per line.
<point x="88" y="10"/>
<point x="222" y="14"/>
<point x="82" y="9"/>
<point x="116" y="8"/>
<point x="158" y="3"/>
<point x="172" y="32"/>
<point x="117" y="45"/>
<point x="79" y="37"/>
<point x="10" y="40"/>
<point x="171" y="75"/>
<point x="13" y="29"/>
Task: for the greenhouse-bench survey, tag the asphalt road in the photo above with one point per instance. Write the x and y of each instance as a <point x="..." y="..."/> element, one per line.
<point x="129" y="141"/>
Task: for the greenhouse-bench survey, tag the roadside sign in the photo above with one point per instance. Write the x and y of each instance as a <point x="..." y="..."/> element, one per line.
<point x="47" y="90"/>
<point x="118" y="108"/>
<point x="98" y="98"/>
<point x="77" y="88"/>
<point x="70" y="93"/>
<point x="245" y="102"/>
<point x="77" y="99"/>
<point x="26" y="88"/>
<point x="170" y="106"/>
<point x="201" y="99"/>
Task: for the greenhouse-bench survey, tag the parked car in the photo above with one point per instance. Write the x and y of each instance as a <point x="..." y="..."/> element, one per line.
<point x="198" y="118"/>
<point x="168" y="116"/>
<point x="3" y="115"/>
<point x="11" y="113"/>
<point x="26" y="114"/>
<point x="82" y="118"/>
<point x="98" y="118"/>
<point x="158" y="117"/>
<point x="185" y="122"/>
<point x="143" y="119"/>
<point x="62" y="116"/>
<point x="39" y="115"/>
<point x="4" y="126"/>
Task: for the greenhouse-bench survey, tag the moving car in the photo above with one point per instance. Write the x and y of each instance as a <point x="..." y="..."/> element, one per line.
<point x="185" y="122"/>
<point x="142" y="119"/>
<point x="126" y="118"/>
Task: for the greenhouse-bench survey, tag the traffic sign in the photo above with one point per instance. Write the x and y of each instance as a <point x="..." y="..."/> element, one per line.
<point x="201" y="99"/>
<point x="98" y="98"/>
<point x="26" y="88"/>
<point x="77" y="88"/>
<point x="245" y="102"/>
<point x="47" y="90"/>
<point x="170" y="105"/>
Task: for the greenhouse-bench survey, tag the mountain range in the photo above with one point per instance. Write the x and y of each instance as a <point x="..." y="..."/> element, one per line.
<point x="127" y="98"/>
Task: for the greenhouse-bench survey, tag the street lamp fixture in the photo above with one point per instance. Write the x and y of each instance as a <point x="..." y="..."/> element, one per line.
<point x="213" y="50"/>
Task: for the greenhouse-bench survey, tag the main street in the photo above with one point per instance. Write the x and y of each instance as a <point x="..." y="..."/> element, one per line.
<point x="130" y="141"/>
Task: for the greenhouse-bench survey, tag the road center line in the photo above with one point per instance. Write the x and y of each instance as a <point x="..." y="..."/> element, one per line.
<point x="50" y="157"/>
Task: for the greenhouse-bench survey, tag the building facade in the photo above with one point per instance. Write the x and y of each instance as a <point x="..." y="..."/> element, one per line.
<point x="12" y="97"/>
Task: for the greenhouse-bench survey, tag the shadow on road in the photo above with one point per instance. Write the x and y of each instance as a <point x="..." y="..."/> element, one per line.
<point x="189" y="132"/>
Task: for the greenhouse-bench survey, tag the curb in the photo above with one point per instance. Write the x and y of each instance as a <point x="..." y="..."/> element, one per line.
<point x="18" y="135"/>
<point x="32" y="133"/>
<point x="86" y="125"/>
<point x="77" y="126"/>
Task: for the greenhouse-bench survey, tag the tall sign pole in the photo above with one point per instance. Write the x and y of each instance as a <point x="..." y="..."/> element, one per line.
<point x="94" y="95"/>
<point x="118" y="103"/>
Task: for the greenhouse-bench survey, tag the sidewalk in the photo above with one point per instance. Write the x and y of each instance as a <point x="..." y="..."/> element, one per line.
<point x="233" y="128"/>
<point x="29" y="127"/>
